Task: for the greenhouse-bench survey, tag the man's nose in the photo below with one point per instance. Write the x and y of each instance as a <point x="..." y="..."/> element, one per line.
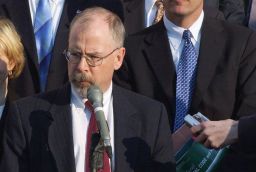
<point x="83" y="65"/>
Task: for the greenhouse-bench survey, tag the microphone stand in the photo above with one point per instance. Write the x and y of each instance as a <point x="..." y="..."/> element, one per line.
<point x="97" y="153"/>
<point x="102" y="141"/>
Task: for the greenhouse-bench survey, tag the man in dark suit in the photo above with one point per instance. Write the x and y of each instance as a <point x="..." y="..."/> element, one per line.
<point x="19" y="12"/>
<point x="47" y="132"/>
<point x="225" y="73"/>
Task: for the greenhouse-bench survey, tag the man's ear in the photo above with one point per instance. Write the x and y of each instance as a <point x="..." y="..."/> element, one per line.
<point x="119" y="58"/>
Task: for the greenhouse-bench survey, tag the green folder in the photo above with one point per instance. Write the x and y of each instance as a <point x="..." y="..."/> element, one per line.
<point x="194" y="157"/>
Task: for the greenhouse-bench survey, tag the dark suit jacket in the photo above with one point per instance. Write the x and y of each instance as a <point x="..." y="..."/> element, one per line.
<point x="233" y="10"/>
<point x="28" y="82"/>
<point x="38" y="134"/>
<point x="226" y="75"/>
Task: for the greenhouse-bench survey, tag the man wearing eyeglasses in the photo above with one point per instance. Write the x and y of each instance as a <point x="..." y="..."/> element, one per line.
<point x="48" y="132"/>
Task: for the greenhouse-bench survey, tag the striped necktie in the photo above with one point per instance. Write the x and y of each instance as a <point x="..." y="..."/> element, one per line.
<point x="160" y="11"/>
<point x="44" y="39"/>
<point x="185" y="79"/>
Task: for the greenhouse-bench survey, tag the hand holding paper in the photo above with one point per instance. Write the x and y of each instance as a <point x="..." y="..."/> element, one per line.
<point x="192" y="156"/>
<point x="216" y="134"/>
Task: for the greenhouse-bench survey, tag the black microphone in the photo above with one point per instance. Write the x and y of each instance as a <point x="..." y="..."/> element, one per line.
<point x="95" y="96"/>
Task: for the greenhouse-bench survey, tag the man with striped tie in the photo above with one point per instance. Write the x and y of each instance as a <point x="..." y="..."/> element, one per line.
<point x="43" y="26"/>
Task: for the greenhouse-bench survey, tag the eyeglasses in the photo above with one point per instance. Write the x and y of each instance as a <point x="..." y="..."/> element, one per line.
<point x="92" y="60"/>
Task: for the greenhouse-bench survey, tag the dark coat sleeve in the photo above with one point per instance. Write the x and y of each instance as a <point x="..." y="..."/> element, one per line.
<point x="13" y="159"/>
<point x="247" y="133"/>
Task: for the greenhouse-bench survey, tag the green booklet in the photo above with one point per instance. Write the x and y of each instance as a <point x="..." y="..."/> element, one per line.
<point x="191" y="156"/>
<point x="194" y="157"/>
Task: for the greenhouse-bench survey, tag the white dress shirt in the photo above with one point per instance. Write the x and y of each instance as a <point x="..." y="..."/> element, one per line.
<point x="150" y="12"/>
<point x="1" y="110"/>
<point x="80" y="122"/>
<point x="56" y="9"/>
<point x="175" y="36"/>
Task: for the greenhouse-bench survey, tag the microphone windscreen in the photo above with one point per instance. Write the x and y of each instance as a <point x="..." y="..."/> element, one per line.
<point x="95" y="96"/>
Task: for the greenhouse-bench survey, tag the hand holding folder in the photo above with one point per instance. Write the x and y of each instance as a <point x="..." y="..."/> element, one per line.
<point x="192" y="156"/>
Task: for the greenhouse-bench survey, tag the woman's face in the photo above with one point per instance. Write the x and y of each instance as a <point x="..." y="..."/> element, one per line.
<point x="6" y="66"/>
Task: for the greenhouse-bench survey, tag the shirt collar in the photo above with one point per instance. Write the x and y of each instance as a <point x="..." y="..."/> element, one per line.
<point x="79" y="102"/>
<point x="176" y="32"/>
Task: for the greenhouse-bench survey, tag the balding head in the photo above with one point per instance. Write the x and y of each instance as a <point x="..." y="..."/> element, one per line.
<point x="88" y="17"/>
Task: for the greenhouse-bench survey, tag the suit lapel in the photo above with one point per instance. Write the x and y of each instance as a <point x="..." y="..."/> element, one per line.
<point x="158" y="54"/>
<point x="61" y="35"/>
<point x="60" y="132"/>
<point x="127" y="128"/>
<point x="18" y="11"/>
<point x="211" y="49"/>
<point x="134" y="15"/>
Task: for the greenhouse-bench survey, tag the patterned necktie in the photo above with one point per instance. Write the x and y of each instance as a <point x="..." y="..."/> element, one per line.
<point x="160" y="11"/>
<point x="44" y="39"/>
<point x="186" y="73"/>
<point x="252" y="19"/>
<point x="92" y="128"/>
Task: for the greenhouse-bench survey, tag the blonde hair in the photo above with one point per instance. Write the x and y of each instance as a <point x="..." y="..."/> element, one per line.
<point x="11" y="46"/>
<point x="115" y="24"/>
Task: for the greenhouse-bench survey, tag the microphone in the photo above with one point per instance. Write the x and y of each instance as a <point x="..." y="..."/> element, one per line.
<point x="95" y="96"/>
